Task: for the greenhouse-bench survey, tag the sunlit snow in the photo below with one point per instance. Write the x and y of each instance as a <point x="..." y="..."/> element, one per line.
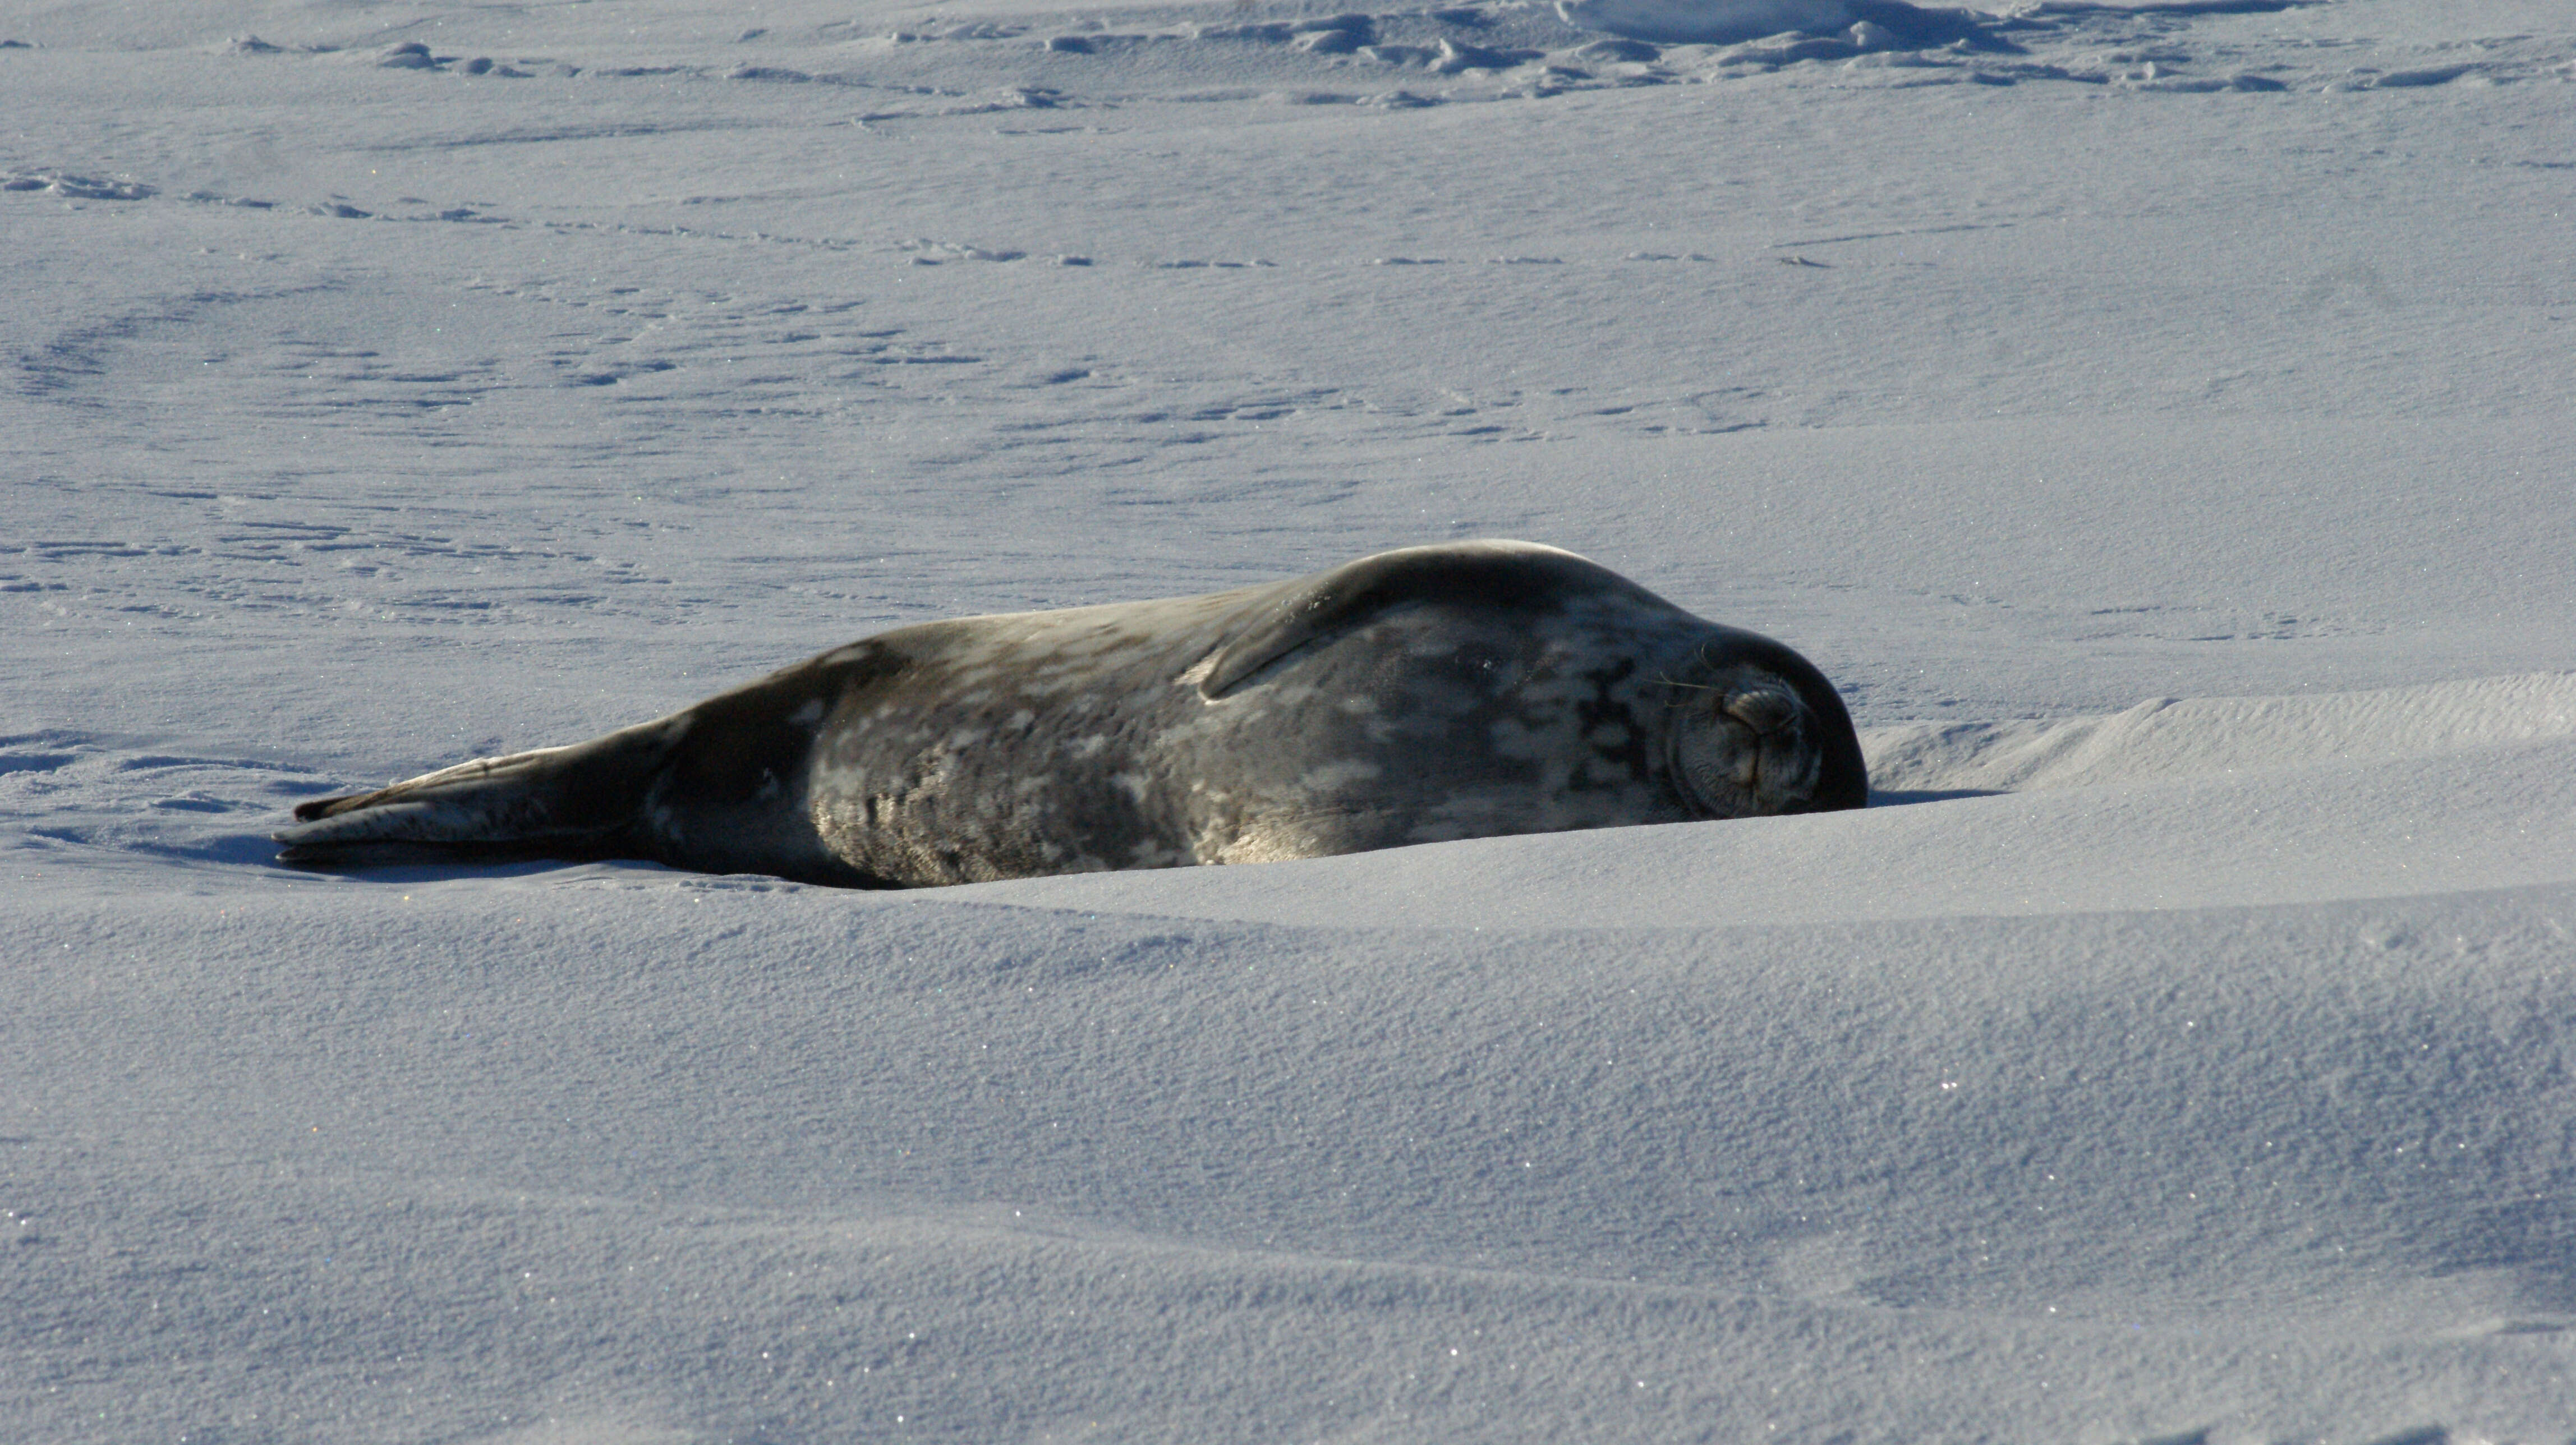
<point x="2155" y="417"/>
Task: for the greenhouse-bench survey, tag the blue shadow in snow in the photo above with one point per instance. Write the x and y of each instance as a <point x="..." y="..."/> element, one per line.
<point x="1900" y="798"/>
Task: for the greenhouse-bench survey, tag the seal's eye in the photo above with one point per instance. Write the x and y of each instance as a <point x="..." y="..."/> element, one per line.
<point x="1745" y="747"/>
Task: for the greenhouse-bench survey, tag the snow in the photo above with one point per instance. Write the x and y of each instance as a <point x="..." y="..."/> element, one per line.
<point x="1706" y="22"/>
<point x="2154" y="417"/>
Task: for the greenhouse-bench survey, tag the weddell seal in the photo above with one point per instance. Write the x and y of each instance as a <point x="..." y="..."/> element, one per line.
<point x="1456" y="691"/>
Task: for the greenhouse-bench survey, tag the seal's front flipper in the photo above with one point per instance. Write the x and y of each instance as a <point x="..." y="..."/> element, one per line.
<point x="1512" y="575"/>
<point x="582" y="801"/>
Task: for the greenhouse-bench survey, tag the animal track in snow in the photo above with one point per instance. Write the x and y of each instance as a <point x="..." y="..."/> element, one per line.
<point x="1507" y="51"/>
<point x="412" y="55"/>
<point x="62" y="789"/>
<point x="1201" y="265"/>
<point x="70" y="186"/>
<point x="1391" y="61"/>
<point x="933" y="253"/>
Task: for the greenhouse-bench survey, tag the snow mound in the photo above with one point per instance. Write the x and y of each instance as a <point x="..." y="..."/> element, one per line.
<point x="2169" y="738"/>
<point x="1705" y="22"/>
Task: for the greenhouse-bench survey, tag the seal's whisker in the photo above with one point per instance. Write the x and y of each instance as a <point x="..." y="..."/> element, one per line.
<point x="1675" y="682"/>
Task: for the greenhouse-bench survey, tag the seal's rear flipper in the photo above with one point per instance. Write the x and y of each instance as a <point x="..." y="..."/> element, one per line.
<point x="580" y="801"/>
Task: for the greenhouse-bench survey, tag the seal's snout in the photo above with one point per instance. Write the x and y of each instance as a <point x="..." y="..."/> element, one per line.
<point x="1765" y="708"/>
<point x="1747" y="748"/>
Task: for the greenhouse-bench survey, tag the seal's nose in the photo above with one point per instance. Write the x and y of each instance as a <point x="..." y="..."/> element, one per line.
<point x="1764" y="709"/>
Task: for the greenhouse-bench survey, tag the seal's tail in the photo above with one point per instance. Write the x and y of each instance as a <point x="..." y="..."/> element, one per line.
<point x="580" y="801"/>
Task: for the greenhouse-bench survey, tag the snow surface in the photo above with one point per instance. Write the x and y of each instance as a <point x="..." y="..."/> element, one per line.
<point x="2155" y="416"/>
<point x="1704" y="21"/>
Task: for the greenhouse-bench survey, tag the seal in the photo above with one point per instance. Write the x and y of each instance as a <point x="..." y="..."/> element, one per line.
<point x="1463" y="690"/>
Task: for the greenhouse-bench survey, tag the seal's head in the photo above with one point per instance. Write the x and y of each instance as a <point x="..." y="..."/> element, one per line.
<point x="1745" y="744"/>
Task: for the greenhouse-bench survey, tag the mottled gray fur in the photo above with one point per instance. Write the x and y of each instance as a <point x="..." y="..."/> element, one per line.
<point x="1456" y="691"/>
